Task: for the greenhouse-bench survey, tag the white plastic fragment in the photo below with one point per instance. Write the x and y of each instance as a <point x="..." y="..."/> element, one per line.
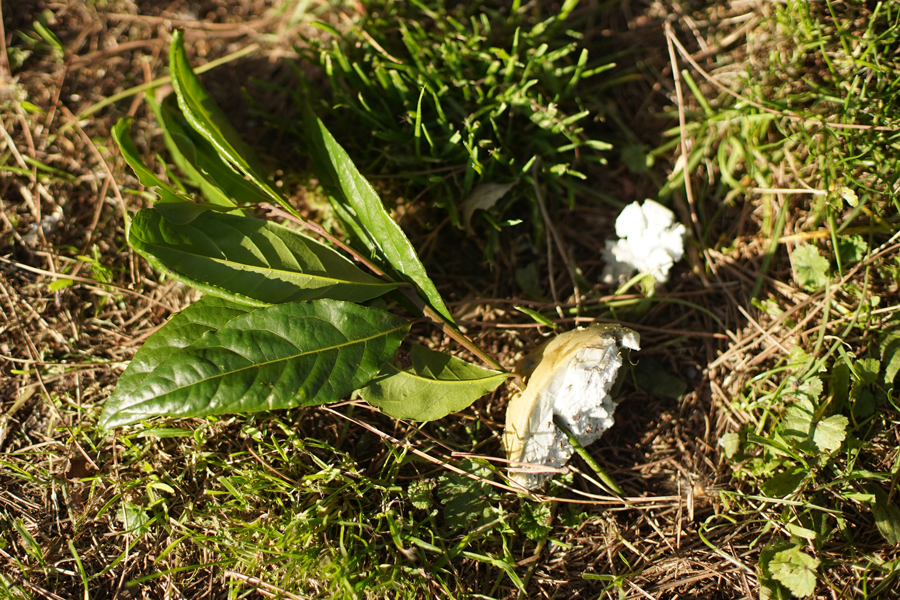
<point x="570" y="377"/>
<point x="650" y="241"/>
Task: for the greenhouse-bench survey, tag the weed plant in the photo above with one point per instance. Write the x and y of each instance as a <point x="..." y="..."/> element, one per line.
<point x="807" y="125"/>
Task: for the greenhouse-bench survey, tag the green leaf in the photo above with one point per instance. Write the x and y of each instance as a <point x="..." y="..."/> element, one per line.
<point x="282" y="356"/>
<point x="783" y="484"/>
<point x="121" y="133"/>
<point x="439" y="384"/>
<point x="887" y="515"/>
<point x="867" y="371"/>
<point x="852" y="248"/>
<point x="419" y="493"/>
<point x="58" y="284"/>
<point x="365" y="204"/>
<point x="810" y="268"/>
<point x="812" y="388"/>
<point x="796" y="570"/>
<point x="864" y="403"/>
<point x="731" y="444"/>
<point x="133" y="518"/>
<point x="798" y="420"/>
<point x="769" y="588"/>
<point x="890" y="357"/>
<point x="798" y="531"/>
<point x="207" y="314"/>
<point x="829" y="433"/>
<point x="533" y="520"/>
<point x="245" y="259"/>
<point x="185" y="148"/>
<point x="797" y="356"/>
<point x="207" y="165"/>
<point x="840" y="386"/>
<point x="205" y="116"/>
<point x="849" y="196"/>
<point x="572" y="517"/>
<point x="467" y="501"/>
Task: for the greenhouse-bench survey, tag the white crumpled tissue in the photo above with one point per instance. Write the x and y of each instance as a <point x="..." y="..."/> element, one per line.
<point x="650" y="241"/>
<point x="570" y="377"/>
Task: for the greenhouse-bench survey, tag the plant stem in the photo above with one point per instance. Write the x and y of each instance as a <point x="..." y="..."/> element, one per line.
<point x="407" y="290"/>
<point x="592" y="463"/>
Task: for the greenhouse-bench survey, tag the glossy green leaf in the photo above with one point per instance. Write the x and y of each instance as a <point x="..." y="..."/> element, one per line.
<point x="205" y="116"/>
<point x="245" y="259"/>
<point x="437" y="385"/>
<point x="207" y="314"/>
<point x="121" y="133"/>
<point x="200" y="160"/>
<point x="173" y="125"/>
<point x="367" y="207"/>
<point x="297" y="354"/>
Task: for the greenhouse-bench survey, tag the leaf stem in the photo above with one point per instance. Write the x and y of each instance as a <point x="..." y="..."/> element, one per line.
<point x="590" y="460"/>
<point x="407" y="290"/>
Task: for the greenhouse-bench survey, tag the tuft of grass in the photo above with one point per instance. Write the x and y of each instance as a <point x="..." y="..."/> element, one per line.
<point x="805" y="131"/>
<point x="297" y="513"/>
<point x="443" y="99"/>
